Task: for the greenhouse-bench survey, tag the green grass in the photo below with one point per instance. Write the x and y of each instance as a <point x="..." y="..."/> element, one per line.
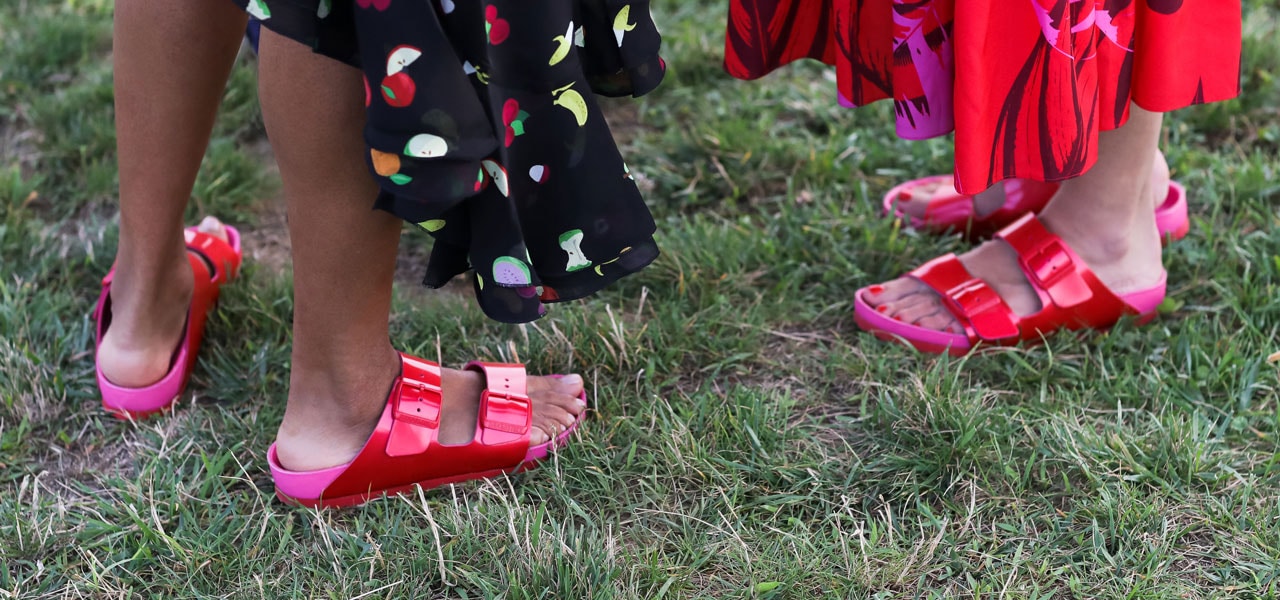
<point x="748" y="441"/>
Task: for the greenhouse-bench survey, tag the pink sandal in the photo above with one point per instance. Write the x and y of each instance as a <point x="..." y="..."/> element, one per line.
<point x="1070" y="294"/>
<point x="404" y="452"/>
<point x="951" y="211"/>
<point x="213" y="264"/>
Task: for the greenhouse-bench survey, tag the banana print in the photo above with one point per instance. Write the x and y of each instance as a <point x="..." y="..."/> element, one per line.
<point x="622" y="24"/>
<point x="572" y="101"/>
<point x="565" y="44"/>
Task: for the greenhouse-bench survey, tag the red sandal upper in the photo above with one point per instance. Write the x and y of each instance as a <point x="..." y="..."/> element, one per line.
<point x="404" y="448"/>
<point x="1071" y="296"/>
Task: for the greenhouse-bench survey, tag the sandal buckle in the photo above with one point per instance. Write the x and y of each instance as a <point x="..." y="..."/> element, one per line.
<point x="506" y="412"/>
<point x="973" y="298"/>
<point x="419" y="403"/>
<point x="1048" y="264"/>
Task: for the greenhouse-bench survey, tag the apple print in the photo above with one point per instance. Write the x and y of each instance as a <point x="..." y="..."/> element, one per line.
<point x="497" y="27"/>
<point x="426" y="145"/>
<point x="397" y="87"/>
<point x="401" y="57"/>
<point x="379" y="5"/>
<point x="368" y="94"/>
<point x="448" y="6"/>
<point x="433" y="225"/>
<point x="398" y="90"/>
<point x="498" y="174"/>
<point x="513" y="120"/>
<point x="384" y="163"/>
<point x="258" y="10"/>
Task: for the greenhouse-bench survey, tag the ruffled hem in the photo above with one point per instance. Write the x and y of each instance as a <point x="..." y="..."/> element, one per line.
<point x="496" y="144"/>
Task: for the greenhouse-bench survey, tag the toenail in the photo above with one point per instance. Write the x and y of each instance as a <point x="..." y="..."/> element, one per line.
<point x="876" y="290"/>
<point x="572" y="379"/>
<point x="904" y="195"/>
<point x="884" y="308"/>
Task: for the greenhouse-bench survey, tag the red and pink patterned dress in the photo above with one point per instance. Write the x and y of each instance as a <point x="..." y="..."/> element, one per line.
<point x="1026" y="85"/>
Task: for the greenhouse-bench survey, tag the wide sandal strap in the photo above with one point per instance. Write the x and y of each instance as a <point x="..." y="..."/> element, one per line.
<point x="979" y="309"/>
<point x="415" y="404"/>
<point x="506" y="411"/>
<point x="1071" y="293"/>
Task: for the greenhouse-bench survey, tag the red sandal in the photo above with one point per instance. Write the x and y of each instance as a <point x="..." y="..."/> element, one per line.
<point x="950" y="211"/>
<point x="404" y="452"/>
<point x="214" y="263"/>
<point x="1071" y="296"/>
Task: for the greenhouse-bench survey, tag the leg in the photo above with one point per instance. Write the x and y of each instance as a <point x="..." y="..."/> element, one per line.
<point x="164" y="115"/>
<point x="344" y="260"/>
<point x="1105" y="215"/>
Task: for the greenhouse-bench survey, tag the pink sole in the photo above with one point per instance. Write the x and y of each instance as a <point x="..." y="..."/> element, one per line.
<point x="139" y="403"/>
<point x="305" y="488"/>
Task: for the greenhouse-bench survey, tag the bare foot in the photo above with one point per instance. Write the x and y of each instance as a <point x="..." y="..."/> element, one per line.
<point x="147" y="320"/>
<point x="915" y="202"/>
<point x="332" y="426"/>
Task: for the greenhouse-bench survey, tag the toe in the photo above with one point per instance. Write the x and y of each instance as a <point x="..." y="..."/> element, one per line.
<point x="940" y="321"/>
<point x="915" y="200"/>
<point x="893" y="291"/>
<point x="557" y="403"/>
<point x="550" y="422"/>
<point x="918" y="305"/>
<point x="212" y="226"/>
<point x="913" y="309"/>
<point x="570" y="385"/>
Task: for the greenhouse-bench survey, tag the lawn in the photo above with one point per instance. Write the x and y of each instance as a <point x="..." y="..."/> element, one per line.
<point x="747" y="442"/>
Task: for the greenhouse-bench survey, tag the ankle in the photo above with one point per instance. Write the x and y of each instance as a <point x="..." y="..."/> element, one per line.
<point x="323" y="428"/>
<point x="151" y="284"/>
<point x="339" y="392"/>
<point x="989" y="200"/>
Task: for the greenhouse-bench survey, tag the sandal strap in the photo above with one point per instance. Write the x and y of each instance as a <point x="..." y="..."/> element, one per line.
<point x="220" y="254"/>
<point x="980" y="310"/>
<point x="505" y="407"/>
<point x="1056" y="273"/>
<point x="416" y="402"/>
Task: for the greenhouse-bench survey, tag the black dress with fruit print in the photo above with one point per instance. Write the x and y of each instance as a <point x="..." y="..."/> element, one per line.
<point x="483" y="129"/>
